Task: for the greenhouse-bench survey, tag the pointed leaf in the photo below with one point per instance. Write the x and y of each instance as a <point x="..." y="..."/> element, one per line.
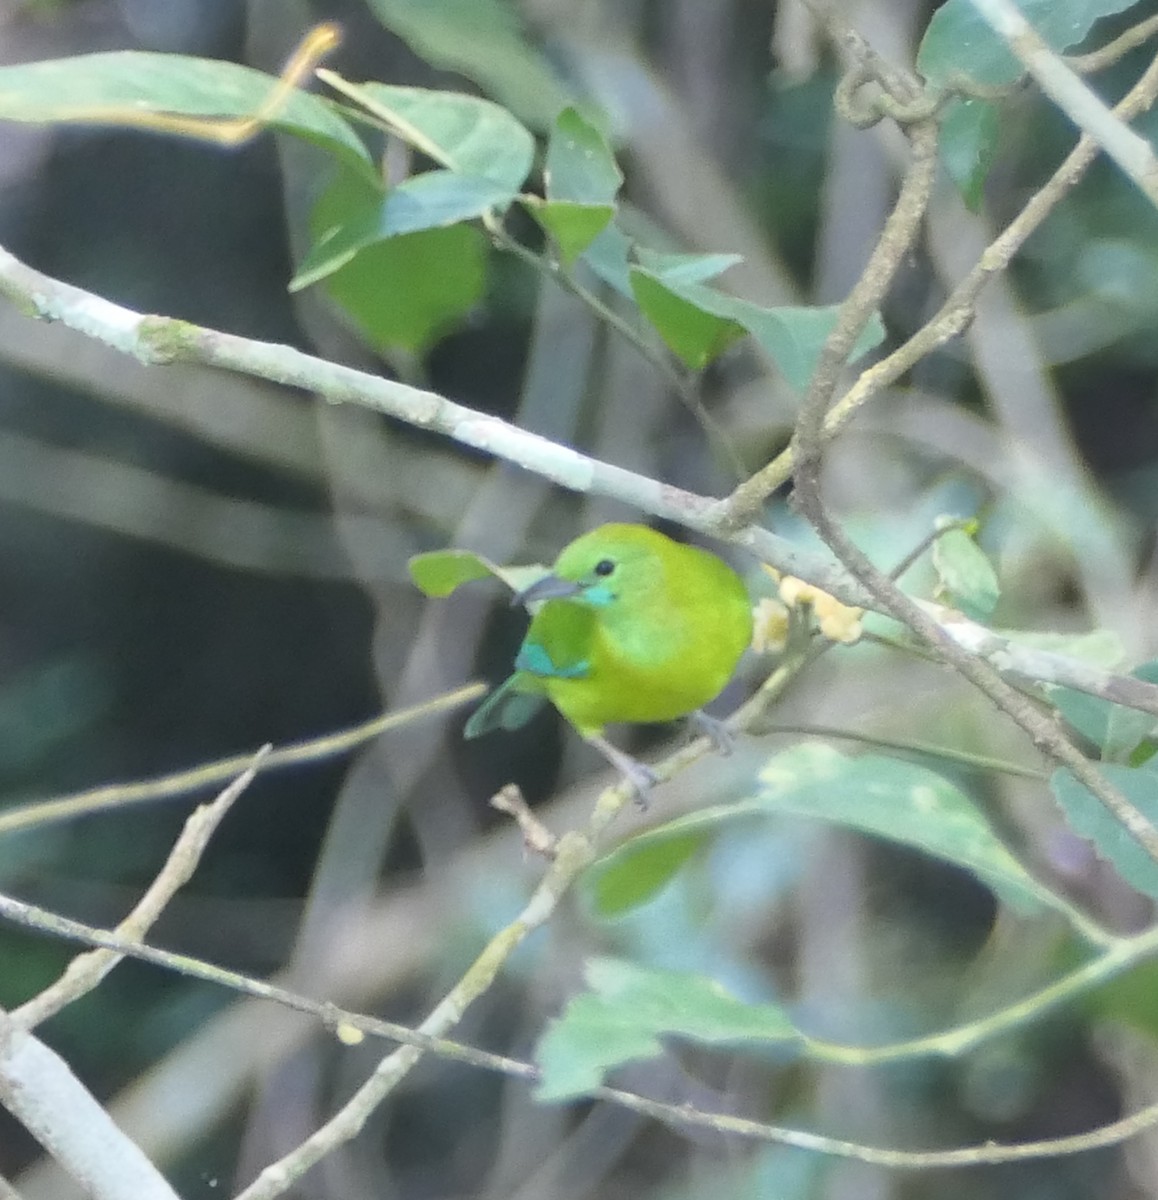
<point x="409" y="291"/>
<point x="686" y="268"/>
<point x="580" y="166"/>
<point x="464" y="134"/>
<point x="638" y="869"/>
<point x="572" y="226"/>
<point x="968" y="145"/>
<point x="958" y="40"/>
<point x="440" y="572"/>
<point x="885" y="797"/>
<point x="630" y="1008"/>
<point x="1088" y="817"/>
<point x="433" y="200"/>
<point x="792" y="336"/>
<point x="1117" y="731"/>
<point x="482" y="40"/>
<point x="118" y="87"/>
<point x="607" y="256"/>
<point x="963" y="572"/>
<point x="693" y="333"/>
<point x="899" y="801"/>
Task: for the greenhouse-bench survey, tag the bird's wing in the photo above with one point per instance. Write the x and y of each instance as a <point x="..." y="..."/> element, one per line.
<point x="536" y="659"/>
<point x="558" y="643"/>
<point x="507" y="707"/>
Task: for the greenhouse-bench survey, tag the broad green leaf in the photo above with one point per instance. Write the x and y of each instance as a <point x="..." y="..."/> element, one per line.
<point x="580" y="166"/>
<point x="408" y="291"/>
<point x="440" y="572"/>
<point x="630" y="1008"/>
<point x="1117" y="731"/>
<point x="635" y="871"/>
<point x="433" y="200"/>
<point x="582" y="180"/>
<point x="692" y="332"/>
<point x="964" y="573"/>
<point x="572" y="226"/>
<point x="608" y="257"/>
<point x="1088" y="817"/>
<point x="482" y="40"/>
<point x="900" y="801"/>
<point x="792" y="336"/>
<point x="119" y="87"/>
<point x="464" y="134"/>
<point x="402" y="291"/>
<point x="685" y="268"/>
<point x="885" y="797"/>
<point x="968" y="144"/>
<point x="1098" y="647"/>
<point x="959" y="42"/>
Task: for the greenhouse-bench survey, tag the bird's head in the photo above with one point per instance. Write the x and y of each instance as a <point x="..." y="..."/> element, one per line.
<point x="603" y="566"/>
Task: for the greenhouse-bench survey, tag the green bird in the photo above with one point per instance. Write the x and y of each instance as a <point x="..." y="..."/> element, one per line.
<point x="631" y="626"/>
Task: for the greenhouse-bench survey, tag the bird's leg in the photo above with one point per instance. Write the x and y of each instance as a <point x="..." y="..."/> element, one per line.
<point x="641" y="777"/>
<point x="717" y="731"/>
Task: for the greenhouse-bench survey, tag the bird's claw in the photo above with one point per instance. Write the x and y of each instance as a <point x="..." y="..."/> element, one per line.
<point x="716" y="731"/>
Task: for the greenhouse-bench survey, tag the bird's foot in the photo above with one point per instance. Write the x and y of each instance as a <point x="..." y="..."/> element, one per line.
<point x="722" y="738"/>
<point x="639" y="775"/>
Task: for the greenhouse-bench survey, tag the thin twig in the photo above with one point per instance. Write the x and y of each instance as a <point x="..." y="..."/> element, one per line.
<point x="810" y="442"/>
<point x="1112" y="52"/>
<point x="679" y="381"/>
<point x="956" y="312"/>
<point x="86" y="971"/>
<point x="1120" y="955"/>
<point x="182" y="783"/>
<point x="160" y="340"/>
<point x="1132" y="152"/>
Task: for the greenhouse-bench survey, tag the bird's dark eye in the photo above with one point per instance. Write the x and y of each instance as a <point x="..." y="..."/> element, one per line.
<point x="604" y="566"/>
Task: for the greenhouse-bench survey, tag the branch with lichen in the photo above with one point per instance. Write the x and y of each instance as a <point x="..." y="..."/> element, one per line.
<point x="159" y="341"/>
<point x="39" y="1088"/>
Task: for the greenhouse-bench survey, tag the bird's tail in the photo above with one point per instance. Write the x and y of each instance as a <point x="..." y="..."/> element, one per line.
<point x="507" y="707"/>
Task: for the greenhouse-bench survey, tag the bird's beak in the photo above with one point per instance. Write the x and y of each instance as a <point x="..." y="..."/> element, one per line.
<point x="550" y="587"/>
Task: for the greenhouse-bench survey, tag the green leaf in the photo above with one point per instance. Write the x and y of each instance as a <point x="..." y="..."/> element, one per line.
<point x="580" y="166"/>
<point x="572" y="226"/>
<point x="439" y="572"/>
<point x="958" y="41"/>
<point x="1098" y="647"/>
<point x="630" y="1008"/>
<point x="968" y="145"/>
<point x="698" y="323"/>
<point x="482" y="40"/>
<point x="638" y="869"/>
<point x="582" y="180"/>
<point x="433" y="200"/>
<point x="608" y="255"/>
<point x="686" y="268"/>
<point x="464" y="134"/>
<point x="408" y="291"/>
<point x="692" y="332"/>
<point x="1088" y="817"/>
<point x="963" y="572"/>
<point x="103" y="88"/>
<point x="1116" y="730"/>
<point x="900" y="801"/>
<point x="885" y="797"/>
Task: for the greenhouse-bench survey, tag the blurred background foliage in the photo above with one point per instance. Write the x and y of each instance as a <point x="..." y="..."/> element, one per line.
<point x="197" y="563"/>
